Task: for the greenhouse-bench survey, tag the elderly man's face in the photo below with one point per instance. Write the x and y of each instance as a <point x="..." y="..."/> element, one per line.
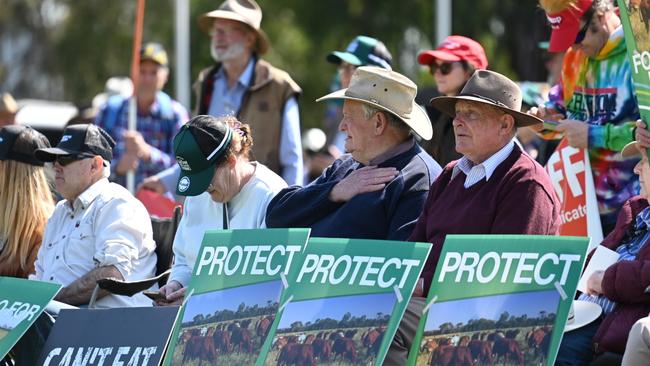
<point x="359" y="131"/>
<point x="230" y="40"/>
<point x="72" y="178"/>
<point x="478" y="131"/>
<point x="642" y="169"/>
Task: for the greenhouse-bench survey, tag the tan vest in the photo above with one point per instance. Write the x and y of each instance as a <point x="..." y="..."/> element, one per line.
<point x="262" y="108"/>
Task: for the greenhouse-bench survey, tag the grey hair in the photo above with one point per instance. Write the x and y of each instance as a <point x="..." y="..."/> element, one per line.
<point x="603" y="5"/>
<point x="393" y="120"/>
<point x="106" y="172"/>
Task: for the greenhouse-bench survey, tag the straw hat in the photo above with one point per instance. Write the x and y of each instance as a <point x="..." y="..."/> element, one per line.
<point x="8" y="105"/>
<point x="243" y="11"/>
<point x="581" y="314"/>
<point x="389" y="91"/>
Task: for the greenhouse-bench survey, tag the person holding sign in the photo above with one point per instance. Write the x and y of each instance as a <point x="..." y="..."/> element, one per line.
<point x="99" y="230"/>
<point x="495" y="188"/>
<point x="26" y="198"/>
<point x="598" y="108"/>
<point x="377" y="190"/>
<point x="224" y="188"/>
<point x="620" y="289"/>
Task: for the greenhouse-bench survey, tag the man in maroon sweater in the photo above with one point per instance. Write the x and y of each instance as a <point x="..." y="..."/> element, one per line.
<point x="494" y="188"/>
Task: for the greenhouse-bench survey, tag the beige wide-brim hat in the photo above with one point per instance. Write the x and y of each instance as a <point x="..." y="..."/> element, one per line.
<point x="389" y="91"/>
<point x="243" y="11"/>
<point x="8" y="105"/>
<point x="584" y="312"/>
<point x="493" y="89"/>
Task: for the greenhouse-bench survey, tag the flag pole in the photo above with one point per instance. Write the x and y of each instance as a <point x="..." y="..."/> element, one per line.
<point x="135" y="73"/>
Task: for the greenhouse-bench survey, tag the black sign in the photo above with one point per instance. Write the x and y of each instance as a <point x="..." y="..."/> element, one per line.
<point x="119" y="336"/>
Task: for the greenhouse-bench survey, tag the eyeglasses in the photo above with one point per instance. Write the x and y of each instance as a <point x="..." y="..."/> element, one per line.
<point x="583" y="31"/>
<point x="445" y="67"/>
<point x="65" y="160"/>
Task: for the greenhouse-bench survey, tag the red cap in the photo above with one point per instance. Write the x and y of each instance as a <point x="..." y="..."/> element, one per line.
<point x="456" y="48"/>
<point x="566" y="25"/>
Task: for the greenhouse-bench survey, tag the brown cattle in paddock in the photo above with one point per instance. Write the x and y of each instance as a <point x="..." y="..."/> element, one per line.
<point x="481" y="349"/>
<point x="201" y="348"/>
<point x="240" y="336"/>
<point x="429" y="345"/>
<point x="322" y="349"/>
<point x="221" y="339"/>
<point x="370" y="338"/>
<point x="296" y="354"/>
<point x="506" y="347"/>
<point x="345" y="348"/>
<point x="263" y="327"/>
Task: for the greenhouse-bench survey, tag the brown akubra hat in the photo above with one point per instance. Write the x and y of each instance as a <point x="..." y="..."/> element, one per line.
<point x="489" y="88"/>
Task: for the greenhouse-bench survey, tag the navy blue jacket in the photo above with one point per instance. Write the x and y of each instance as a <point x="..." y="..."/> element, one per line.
<point x="388" y="214"/>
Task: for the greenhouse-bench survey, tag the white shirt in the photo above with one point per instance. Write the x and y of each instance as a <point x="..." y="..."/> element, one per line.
<point x="247" y="210"/>
<point x="475" y="173"/>
<point x="105" y="226"/>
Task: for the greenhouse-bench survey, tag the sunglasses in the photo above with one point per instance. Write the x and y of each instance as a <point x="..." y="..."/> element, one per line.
<point x="65" y="160"/>
<point x="445" y="67"/>
<point x="583" y="31"/>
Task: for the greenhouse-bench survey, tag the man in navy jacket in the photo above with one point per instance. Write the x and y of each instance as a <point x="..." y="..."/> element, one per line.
<point x="377" y="191"/>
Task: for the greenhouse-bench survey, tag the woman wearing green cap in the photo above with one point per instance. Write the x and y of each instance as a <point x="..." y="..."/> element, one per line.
<point x="224" y="188"/>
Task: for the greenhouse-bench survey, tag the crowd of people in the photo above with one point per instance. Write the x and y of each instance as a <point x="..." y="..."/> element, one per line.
<point x="393" y="169"/>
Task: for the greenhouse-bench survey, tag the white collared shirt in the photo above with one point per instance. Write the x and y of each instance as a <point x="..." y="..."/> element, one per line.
<point x="105" y="226"/>
<point x="475" y="173"/>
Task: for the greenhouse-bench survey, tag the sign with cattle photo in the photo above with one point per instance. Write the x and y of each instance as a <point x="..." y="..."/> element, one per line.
<point x="116" y="336"/>
<point x="344" y="302"/>
<point x="499" y="300"/>
<point x="21" y="303"/>
<point x="635" y="16"/>
<point x="233" y="296"/>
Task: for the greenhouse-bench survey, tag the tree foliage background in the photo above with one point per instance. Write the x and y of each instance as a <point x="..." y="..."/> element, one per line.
<point x="66" y="49"/>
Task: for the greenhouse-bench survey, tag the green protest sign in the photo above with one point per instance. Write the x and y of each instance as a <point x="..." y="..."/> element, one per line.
<point x="498" y="299"/>
<point x="21" y="303"/>
<point x="344" y="302"/>
<point x="233" y="296"/>
<point x="635" y="16"/>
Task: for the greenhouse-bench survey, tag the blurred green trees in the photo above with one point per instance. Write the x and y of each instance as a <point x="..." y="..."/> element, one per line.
<point x="66" y="49"/>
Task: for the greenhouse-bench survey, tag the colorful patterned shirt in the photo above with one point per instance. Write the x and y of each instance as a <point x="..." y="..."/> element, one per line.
<point x="599" y="91"/>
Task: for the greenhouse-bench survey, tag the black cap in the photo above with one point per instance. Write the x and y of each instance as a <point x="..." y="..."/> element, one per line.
<point x="81" y="140"/>
<point x="19" y="143"/>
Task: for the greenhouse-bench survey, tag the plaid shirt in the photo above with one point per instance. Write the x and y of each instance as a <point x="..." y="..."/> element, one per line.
<point x="157" y="130"/>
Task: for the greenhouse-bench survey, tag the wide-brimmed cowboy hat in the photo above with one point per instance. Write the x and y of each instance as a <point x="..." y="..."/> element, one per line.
<point x="493" y="89"/>
<point x="583" y="313"/>
<point x="243" y="11"/>
<point x="630" y="150"/>
<point x="389" y="91"/>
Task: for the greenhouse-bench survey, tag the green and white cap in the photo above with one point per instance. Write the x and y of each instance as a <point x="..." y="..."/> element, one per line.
<point x="197" y="147"/>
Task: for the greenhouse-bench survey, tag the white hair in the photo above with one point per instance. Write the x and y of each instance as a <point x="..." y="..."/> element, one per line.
<point x="393" y="120"/>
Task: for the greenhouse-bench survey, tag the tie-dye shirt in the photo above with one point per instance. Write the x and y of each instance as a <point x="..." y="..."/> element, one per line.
<point x="599" y="91"/>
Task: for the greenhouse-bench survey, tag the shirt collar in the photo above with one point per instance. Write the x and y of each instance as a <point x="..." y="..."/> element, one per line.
<point x="489" y="165"/>
<point x="88" y="196"/>
<point x="245" y="77"/>
<point x="392" y="152"/>
<point x="643" y="219"/>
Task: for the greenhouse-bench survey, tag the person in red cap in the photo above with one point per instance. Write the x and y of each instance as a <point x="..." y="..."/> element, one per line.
<point x="451" y="64"/>
<point x="597" y="107"/>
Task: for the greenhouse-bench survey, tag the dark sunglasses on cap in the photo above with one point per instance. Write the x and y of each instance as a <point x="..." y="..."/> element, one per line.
<point x="445" y="67"/>
<point x="589" y="14"/>
<point x="65" y="160"/>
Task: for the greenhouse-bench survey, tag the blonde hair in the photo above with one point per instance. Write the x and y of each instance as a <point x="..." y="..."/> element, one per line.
<point x="26" y="201"/>
<point x="556" y="6"/>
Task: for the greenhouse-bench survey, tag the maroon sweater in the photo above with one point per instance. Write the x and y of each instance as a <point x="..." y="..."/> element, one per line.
<point x="625" y="283"/>
<point x="517" y="199"/>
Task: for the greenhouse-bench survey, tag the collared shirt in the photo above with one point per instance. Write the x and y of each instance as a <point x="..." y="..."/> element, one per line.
<point x="157" y="128"/>
<point x="104" y="226"/>
<point x="227" y="102"/>
<point x="476" y="173"/>
<point x="627" y="251"/>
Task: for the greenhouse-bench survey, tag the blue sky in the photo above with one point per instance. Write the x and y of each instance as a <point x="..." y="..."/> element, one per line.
<point x="491" y="307"/>
<point x="230" y="299"/>
<point x="336" y="307"/>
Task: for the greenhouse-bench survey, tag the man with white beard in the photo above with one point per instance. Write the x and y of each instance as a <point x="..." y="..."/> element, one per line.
<point x="243" y="85"/>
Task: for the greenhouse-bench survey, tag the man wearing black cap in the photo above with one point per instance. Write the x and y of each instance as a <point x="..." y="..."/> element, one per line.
<point x="99" y="230"/>
<point x="148" y="149"/>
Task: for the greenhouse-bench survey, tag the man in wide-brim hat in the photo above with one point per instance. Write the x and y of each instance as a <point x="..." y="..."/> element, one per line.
<point x="494" y="188"/>
<point x="377" y="190"/>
